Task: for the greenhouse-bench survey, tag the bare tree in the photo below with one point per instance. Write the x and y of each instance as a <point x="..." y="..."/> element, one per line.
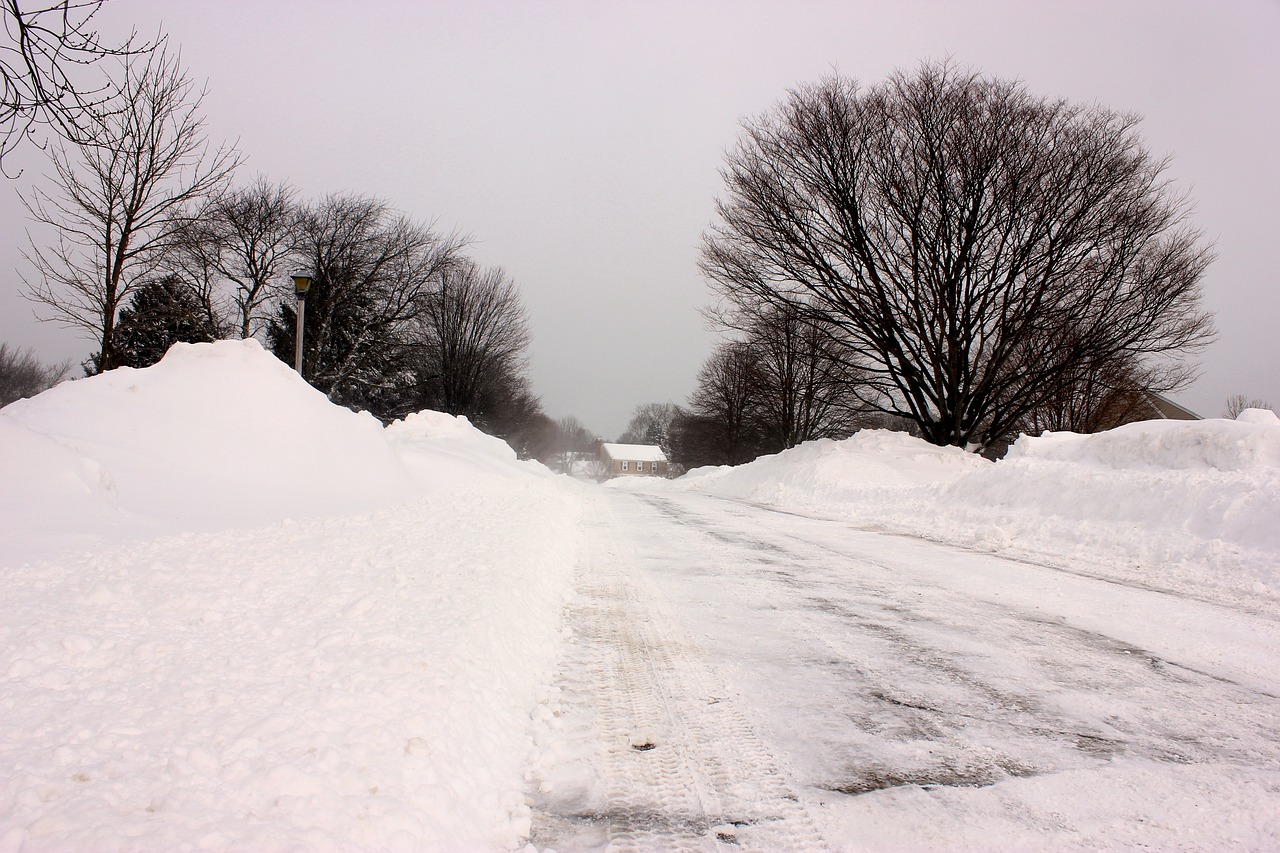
<point x="1103" y="398"/>
<point x="574" y="436"/>
<point x="573" y="445"/>
<point x="51" y="66"/>
<point x="534" y="437"/>
<point x="720" y="427"/>
<point x="24" y="375"/>
<point x="651" y="424"/>
<point x="980" y="248"/>
<point x="246" y="242"/>
<point x="1237" y="403"/>
<point x="120" y="201"/>
<point x="806" y="378"/>
<point x="514" y="413"/>
<point x="373" y="268"/>
<point x="472" y="336"/>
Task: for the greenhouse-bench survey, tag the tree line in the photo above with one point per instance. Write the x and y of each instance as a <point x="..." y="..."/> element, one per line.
<point x="156" y="244"/>
<point x="943" y="252"/>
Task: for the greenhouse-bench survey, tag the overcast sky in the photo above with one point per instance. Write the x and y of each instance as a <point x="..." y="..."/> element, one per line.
<point x="579" y="143"/>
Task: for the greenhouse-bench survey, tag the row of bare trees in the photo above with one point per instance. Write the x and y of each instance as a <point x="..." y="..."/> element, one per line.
<point x="787" y="379"/>
<point x="118" y="204"/>
<point x="152" y="245"/>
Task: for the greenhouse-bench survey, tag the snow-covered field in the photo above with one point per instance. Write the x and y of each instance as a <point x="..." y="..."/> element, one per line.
<point x="234" y="616"/>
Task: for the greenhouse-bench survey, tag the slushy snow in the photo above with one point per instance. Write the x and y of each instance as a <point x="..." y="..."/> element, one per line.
<point x="235" y="616"/>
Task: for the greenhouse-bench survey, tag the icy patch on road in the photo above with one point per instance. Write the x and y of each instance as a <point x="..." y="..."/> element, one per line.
<point x="1188" y="506"/>
<point x="1104" y="808"/>
<point x="654" y="751"/>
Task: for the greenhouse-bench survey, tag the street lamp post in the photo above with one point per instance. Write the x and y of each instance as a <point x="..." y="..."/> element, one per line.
<point x="301" y="281"/>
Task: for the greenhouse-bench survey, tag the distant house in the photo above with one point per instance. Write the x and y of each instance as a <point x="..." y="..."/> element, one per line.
<point x="1127" y="407"/>
<point x="633" y="460"/>
<point x="1162" y="407"/>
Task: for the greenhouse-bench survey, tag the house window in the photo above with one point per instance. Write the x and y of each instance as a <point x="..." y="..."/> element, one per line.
<point x="624" y="465"/>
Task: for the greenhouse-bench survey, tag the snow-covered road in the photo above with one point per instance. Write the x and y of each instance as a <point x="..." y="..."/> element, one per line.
<point x="235" y="616"/>
<point x="747" y="677"/>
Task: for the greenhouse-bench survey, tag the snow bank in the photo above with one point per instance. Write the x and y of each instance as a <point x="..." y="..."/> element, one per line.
<point x="1195" y="501"/>
<point x="235" y="616"/>
<point x="826" y="473"/>
<point x="366" y="682"/>
<point x="213" y="436"/>
<point x="437" y="448"/>
<point x="1183" y="505"/>
<point x="1249" y="442"/>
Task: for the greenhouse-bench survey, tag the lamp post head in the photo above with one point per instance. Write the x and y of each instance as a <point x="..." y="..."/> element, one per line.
<point x="301" y="281"/>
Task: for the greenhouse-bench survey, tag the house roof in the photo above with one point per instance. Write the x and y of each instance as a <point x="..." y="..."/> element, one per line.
<point x="634" y="452"/>
<point x="1169" y="409"/>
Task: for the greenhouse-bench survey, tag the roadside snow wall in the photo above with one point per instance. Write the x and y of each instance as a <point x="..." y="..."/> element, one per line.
<point x="1192" y="506"/>
<point x="236" y="617"/>
<point x="213" y="436"/>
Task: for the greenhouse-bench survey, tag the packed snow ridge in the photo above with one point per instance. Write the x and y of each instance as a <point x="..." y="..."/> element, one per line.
<point x="1189" y="506"/>
<point x="236" y="616"/>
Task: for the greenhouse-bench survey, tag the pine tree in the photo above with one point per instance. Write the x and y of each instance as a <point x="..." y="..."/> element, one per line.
<point x="159" y="314"/>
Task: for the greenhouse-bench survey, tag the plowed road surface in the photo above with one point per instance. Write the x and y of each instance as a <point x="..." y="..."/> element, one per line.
<point x="740" y="678"/>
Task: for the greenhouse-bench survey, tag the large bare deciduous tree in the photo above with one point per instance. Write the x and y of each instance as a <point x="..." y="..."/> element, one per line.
<point x="651" y="424"/>
<point x="807" y="380"/>
<point x="52" y="70"/>
<point x="720" y="426"/>
<point x="787" y="380"/>
<point x="119" y="202"/>
<point x="983" y="250"/>
<point x="238" y="252"/>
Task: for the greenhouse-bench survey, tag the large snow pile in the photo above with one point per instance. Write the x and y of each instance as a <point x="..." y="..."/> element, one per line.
<point x="1190" y="506"/>
<point x="341" y="640"/>
<point x="1193" y="503"/>
<point x="437" y="448"/>
<point x="214" y="436"/>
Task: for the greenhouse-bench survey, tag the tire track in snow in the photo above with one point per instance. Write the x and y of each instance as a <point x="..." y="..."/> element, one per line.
<point x="922" y="674"/>
<point x="682" y="767"/>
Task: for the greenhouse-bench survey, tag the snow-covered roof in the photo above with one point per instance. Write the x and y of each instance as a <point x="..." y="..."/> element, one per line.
<point x="634" y="452"/>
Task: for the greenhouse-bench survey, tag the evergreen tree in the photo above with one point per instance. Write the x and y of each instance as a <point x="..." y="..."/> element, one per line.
<point x="159" y="314"/>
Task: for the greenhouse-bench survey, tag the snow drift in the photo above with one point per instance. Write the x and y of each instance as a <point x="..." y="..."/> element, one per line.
<point x="1183" y="505"/>
<point x="213" y="436"/>
<point x="236" y="616"/>
<point x="1195" y="501"/>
